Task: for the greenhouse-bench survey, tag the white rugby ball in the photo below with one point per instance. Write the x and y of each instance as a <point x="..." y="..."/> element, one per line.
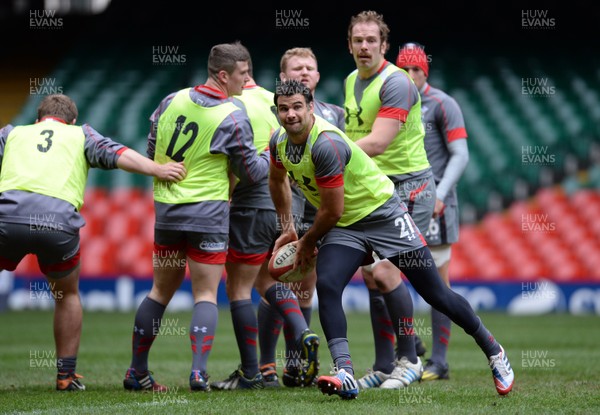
<point x="281" y="264"/>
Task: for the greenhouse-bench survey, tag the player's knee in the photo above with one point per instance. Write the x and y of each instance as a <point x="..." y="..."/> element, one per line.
<point x="328" y="288"/>
<point x="262" y="285"/>
<point x="63" y="289"/>
<point x="381" y="285"/>
<point x="59" y="272"/>
<point x="387" y="280"/>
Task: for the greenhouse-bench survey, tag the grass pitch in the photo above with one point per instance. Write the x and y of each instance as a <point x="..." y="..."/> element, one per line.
<point x="555" y="358"/>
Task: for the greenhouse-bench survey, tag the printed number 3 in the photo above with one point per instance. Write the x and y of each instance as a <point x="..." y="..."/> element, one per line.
<point x="48" y="139"/>
<point x="406" y="227"/>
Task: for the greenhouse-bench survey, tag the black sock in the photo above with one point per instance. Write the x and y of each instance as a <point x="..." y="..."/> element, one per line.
<point x="66" y="365"/>
<point x="285" y="302"/>
<point x="340" y="353"/>
<point x="440" y="325"/>
<point x="307" y="313"/>
<point x="269" y="327"/>
<point x="245" y="327"/>
<point x="400" y="307"/>
<point x="486" y="341"/>
<point x="383" y="333"/>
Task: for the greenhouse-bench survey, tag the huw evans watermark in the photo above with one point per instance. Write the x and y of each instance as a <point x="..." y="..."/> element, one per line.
<point x="168" y="55"/>
<point x="168" y="327"/>
<point x="415" y="259"/>
<point x="44" y="222"/>
<point x="537" y="222"/>
<point x="43" y="290"/>
<point x="44" y="19"/>
<point x="170" y="396"/>
<point x="537" y="19"/>
<point x="414" y="395"/>
<point x="295" y="291"/>
<point x="288" y="358"/>
<point x="416" y="190"/>
<point x="538" y="290"/>
<point x="166" y="189"/>
<point x="414" y="326"/>
<point x="43" y="359"/>
<point x="537" y="359"/>
<point x="291" y="19"/>
<point x="168" y="259"/>
<point x="537" y="156"/>
<point x="44" y="86"/>
<point x="537" y="87"/>
<point x="296" y="220"/>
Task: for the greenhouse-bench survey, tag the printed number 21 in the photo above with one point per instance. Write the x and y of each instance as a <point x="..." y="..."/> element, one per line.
<point x="406" y="227"/>
<point x="189" y="127"/>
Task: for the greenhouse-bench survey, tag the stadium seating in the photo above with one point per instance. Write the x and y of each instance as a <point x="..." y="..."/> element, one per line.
<point x="552" y="236"/>
<point x="502" y="197"/>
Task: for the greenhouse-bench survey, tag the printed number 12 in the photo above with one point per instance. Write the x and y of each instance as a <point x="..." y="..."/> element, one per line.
<point x="189" y="127"/>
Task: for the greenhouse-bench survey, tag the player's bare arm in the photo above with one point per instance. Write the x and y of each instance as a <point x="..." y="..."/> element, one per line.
<point x="132" y="161"/>
<point x="383" y="133"/>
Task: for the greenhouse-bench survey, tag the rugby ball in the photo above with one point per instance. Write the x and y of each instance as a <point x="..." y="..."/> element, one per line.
<point x="281" y="264"/>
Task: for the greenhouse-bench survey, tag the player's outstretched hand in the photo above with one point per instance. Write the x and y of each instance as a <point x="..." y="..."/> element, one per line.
<point x="171" y="172"/>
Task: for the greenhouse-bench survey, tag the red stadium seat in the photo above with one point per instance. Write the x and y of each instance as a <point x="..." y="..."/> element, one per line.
<point x="134" y="257"/>
<point x="585" y="197"/>
<point x="520" y="210"/>
<point x="147" y="228"/>
<point x="551" y="196"/>
<point x="96" y="205"/>
<point x="586" y="252"/>
<point x="488" y="262"/>
<point x="98" y="258"/>
<point x="547" y="237"/>
<point x="495" y="270"/>
<point x="122" y="197"/>
<point x="93" y="195"/>
<point x="121" y="226"/>
<point x="461" y="268"/>
<point x="593" y="266"/>
<point x="570" y="271"/>
<point x="587" y="205"/>
<point x="28" y="266"/>
<point x="140" y="208"/>
<point x="142" y="268"/>
<point x="94" y="226"/>
<point x="145" y="207"/>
